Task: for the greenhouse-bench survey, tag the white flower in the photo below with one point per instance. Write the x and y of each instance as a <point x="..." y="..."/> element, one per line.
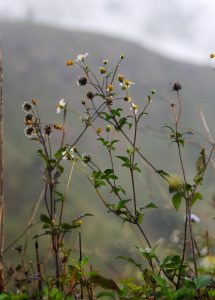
<point x="81" y="57"/>
<point x="134" y="107"/>
<point x="61" y="105"/>
<point x="126" y="84"/>
<point x="194" y="218"/>
<point x="69" y="154"/>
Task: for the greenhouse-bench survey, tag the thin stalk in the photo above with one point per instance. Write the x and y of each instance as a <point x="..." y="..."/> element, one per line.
<point x="132" y="163"/>
<point x="2" y="203"/>
<point x="65" y="192"/>
<point x="38" y="268"/>
<point x="80" y="260"/>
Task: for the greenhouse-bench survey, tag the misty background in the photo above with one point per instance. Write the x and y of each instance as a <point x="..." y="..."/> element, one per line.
<point x="180" y="29"/>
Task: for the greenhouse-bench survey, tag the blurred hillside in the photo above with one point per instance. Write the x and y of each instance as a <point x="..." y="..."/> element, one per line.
<point x="34" y="67"/>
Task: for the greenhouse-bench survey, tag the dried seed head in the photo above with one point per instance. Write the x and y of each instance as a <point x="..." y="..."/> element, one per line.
<point x="82" y="81"/>
<point x="176" y="86"/>
<point x="26" y="106"/>
<point x="48" y="130"/>
<point x="90" y="95"/>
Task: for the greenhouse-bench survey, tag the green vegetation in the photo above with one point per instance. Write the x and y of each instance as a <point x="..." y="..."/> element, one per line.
<point x="128" y="179"/>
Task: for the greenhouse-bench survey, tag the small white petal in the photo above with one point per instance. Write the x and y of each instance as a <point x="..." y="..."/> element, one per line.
<point x="194" y="218"/>
<point x="81" y="57"/>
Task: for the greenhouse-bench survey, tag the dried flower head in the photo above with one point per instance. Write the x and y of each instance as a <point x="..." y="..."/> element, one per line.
<point x="34" y="101"/>
<point x="105" y="62"/>
<point x="48" y="130"/>
<point x="90" y="95"/>
<point x="109" y="100"/>
<point x="58" y="126"/>
<point x="122" y="56"/>
<point x="29" y="131"/>
<point x="28" y="119"/>
<point x="26" y="106"/>
<point x="82" y="81"/>
<point x="176" y="86"/>
<point x="61" y="106"/>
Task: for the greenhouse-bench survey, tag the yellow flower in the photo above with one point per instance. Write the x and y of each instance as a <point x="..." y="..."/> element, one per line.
<point x="174" y="180"/>
<point x="120" y="77"/>
<point x="109" y="87"/>
<point x="69" y="63"/>
<point x="212" y="55"/>
<point x="99" y="130"/>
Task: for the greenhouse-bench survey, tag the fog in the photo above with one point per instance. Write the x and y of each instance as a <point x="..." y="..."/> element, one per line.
<point x="180" y="29"/>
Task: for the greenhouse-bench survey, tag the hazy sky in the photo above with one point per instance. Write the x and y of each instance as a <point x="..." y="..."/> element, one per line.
<point x="183" y="29"/>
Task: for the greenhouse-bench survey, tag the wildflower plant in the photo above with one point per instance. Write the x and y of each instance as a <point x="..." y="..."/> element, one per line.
<point x="108" y="105"/>
<point x="113" y="115"/>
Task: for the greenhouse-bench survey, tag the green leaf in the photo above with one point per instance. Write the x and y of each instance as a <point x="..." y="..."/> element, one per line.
<point x="184" y="293"/>
<point x="197" y="196"/>
<point x="124" y="158"/>
<point x="45" y="219"/>
<point x="160" y="281"/>
<point x="129" y="259"/>
<point x="116" y="112"/>
<point x="122" y="203"/>
<point x="106" y="283"/>
<point x="58" y="154"/>
<point x="203" y="281"/>
<point x="42" y="155"/>
<point x="176" y="200"/>
<point x="150" y="205"/>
